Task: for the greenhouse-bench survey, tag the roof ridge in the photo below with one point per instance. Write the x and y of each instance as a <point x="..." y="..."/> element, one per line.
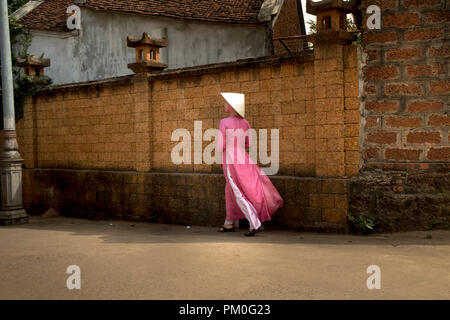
<point x="26" y="8"/>
<point x="50" y="15"/>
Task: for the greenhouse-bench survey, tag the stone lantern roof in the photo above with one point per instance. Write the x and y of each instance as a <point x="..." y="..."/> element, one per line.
<point x="331" y="20"/>
<point x="146" y="40"/>
<point x="33" y="61"/>
<point x="327" y="5"/>
<point x="147" y="54"/>
<point x="33" y="66"/>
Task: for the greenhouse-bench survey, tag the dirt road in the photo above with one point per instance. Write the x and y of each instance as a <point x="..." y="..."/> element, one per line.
<point x="125" y="260"/>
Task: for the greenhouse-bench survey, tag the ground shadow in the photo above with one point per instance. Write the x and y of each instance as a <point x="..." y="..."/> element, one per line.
<point x="143" y="232"/>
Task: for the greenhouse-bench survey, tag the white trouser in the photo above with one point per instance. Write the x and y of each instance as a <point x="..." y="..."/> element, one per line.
<point x="232" y="222"/>
<point x="246" y="207"/>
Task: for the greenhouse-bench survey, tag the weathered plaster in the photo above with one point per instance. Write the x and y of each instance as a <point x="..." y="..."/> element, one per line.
<point x="100" y="50"/>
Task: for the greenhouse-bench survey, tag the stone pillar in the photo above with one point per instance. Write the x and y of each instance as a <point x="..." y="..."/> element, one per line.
<point x="147" y="62"/>
<point x="329" y="85"/>
<point x="11" y="204"/>
<point x="143" y="122"/>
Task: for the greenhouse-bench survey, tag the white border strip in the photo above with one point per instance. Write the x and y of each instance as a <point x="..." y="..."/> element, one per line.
<point x="245" y="206"/>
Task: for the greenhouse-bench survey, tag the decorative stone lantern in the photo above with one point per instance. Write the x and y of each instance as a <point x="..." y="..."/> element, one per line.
<point x="331" y="20"/>
<point x="147" y="54"/>
<point x="32" y="66"/>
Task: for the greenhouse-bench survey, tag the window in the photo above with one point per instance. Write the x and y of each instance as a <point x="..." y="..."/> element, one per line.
<point x="326" y="22"/>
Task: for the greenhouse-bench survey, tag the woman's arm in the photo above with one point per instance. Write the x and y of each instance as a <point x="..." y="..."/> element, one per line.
<point x="221" y="143"/>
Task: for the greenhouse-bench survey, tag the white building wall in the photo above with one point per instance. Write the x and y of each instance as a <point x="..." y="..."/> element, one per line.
<point x="100" y="50"/>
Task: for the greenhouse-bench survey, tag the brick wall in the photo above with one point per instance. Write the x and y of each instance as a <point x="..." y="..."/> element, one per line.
<point x="362" y="132"/>
<point x="278" y="95"/>
<point x="336" y="111"/>
<point x="302" y="97"/>
<point x="127" y="123"/>
<point x="114" y="136"/>
<point x="287" y="24"/>
<point x="313" y="204"/>
<point x="404" y="181"/>
<point x="406" y="80"/>
<point x="80" y="127"/>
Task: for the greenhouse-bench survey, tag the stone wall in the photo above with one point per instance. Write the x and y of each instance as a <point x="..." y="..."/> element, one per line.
<point x="287" y="24"/>
<point x="126" y="123"/>
<point x="406" y="85"/>
<point x="81" y="127"/>
<point x="312" y="204"/>
<point x="279" y="94"/>
<point x="102" y="149"/>
<point x="404" y="181"/>
<point x="362" y="132"/>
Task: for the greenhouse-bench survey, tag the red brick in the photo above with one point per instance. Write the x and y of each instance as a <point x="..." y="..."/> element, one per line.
<point x="420" y="3"/>
<point x="423" y="105"/>
<point x="372" y="122"/>
<point x="388" y="4"/>
<point x="403" y="122"/>
<point x="380" y="73"/>
<point x="404" y="20"/>
<point x="404" y="89"/>
<point x="425" y="34"/>
<point x="383" y="106"/>
<point x="424" y="137"/>
<point x="438" y="120"/>
<point x="379" y="37"/>
<point x="402" y="154"/>
<point x="439" y="154"/>
<point x="440" y="87"/>
<point x="371" y="153"/>
<point x="385" y="4"/>
<point x="382" y="138"/>
<point x="372" y="55"/>
<point x="417" y="71"/>
<point x="403" y="54"/>
<point x="438" y="16"/>
<point x="370" y="89"/>
<point x="443" y="51"/>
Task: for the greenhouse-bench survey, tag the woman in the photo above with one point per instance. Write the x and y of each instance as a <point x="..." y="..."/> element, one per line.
<point x="249" y="193"/>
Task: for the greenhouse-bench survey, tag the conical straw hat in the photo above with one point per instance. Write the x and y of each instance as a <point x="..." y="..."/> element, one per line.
<point x="237" y="101"/>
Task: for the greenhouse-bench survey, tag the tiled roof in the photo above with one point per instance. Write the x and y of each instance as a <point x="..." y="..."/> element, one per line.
<point x="235" y="11"/>
<point x="51" y="15"/>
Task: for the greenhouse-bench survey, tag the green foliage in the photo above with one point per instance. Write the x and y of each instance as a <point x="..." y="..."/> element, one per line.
<point x="312" y="26"/>
<point x="27" y="86"/>
<point x="154" y="217"/>
<point x="443" y="192"/>
<point x="13" y="5"/>
<point x="433" y="221"/>
<point x="351" y="25"/>
<point x="23" y="85"/>
<point x="361" y="224"/>
<point x="20" y="39"/>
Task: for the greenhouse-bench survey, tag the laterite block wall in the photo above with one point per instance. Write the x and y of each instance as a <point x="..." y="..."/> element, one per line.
<point x="102" y="149"/>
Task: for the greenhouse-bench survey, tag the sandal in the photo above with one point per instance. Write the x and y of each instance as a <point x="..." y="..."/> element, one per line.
<point x="251" y="233"/>
<point x="223" y="229"/>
